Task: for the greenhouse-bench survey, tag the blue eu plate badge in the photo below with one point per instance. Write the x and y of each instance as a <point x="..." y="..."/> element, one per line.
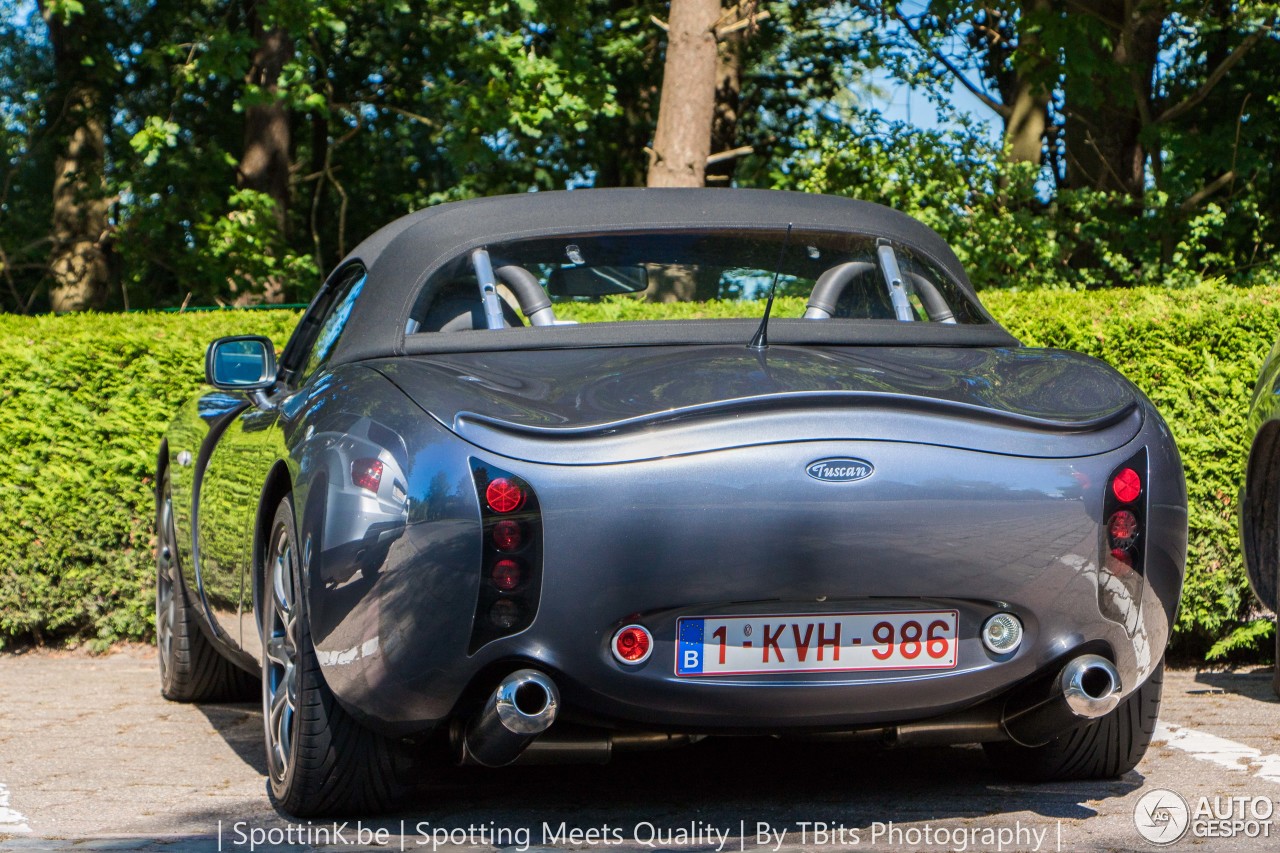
<point x="689" y="649"/>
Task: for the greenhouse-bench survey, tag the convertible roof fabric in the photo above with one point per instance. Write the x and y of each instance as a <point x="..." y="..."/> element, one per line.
<point x="401" y="256"/>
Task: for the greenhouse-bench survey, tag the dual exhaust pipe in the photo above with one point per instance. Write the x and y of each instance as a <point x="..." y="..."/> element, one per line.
<point x="526" y="702"/>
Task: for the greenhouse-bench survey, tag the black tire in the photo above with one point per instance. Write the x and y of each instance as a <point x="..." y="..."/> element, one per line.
<point x="1104" y="749"/>
<point x="191" y="670"/>
<point x="1275" y="672"/>
<point x="319" y="760"/>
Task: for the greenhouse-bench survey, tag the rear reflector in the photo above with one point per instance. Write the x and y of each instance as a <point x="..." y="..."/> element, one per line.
<point x="503" y="495"/>
<point x="1126" y="485"/>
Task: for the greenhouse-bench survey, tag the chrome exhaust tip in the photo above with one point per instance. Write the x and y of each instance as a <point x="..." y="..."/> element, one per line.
<point x="1090" y="686"/>
<point x="1086" y="688"/>
<point x="523" y="706"/>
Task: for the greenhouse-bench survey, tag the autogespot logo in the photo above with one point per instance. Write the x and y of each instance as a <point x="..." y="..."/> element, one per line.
<point x="1161" y="816"/>
<point x="843" y="470"/>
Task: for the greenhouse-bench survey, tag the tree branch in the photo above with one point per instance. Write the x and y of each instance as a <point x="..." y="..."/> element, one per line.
<point x="1207" y="190"/>
<point x="997" y="107"/>
<point x="1215" y="77"/>
<point x="730" y="154"/>
<point x="742" y="24"/>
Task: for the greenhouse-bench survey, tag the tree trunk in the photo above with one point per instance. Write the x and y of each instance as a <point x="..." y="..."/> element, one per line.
<point x="265" y="164"/>
<point x="724" y="123"/>
<point x="687" y="106"/>
<point x="1028" y="97"/>
<point x="78" y="260"/>
<point x="1025" y="126"/>
<point x="1015" y="61"/>
<point x="1104" y="121"/>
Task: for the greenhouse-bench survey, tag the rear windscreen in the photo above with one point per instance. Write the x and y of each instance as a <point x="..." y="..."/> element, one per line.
<point x="687" y="275"/>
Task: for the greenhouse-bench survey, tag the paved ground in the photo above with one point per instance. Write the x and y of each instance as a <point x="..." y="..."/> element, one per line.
<point x="92" y="759"/>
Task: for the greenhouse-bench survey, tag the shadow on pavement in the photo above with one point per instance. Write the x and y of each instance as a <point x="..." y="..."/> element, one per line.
<point x="727" y="783"/>
<point x="1251" y="684"/>
<point x="240" y="725"/>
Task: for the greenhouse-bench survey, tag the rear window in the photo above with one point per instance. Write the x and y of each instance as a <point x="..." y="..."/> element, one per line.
<point x="648" y="276"/>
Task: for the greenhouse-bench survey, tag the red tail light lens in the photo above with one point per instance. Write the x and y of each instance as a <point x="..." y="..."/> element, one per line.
<point x="1123" y="557"/>
<point x="507" y="575"/>
<point x="504" y="496"/>
<point x="510" y="568"/>
<point x="1126" y="485"/>
<point x="507" y="535"/>
<point x="632" y="644"/>
<point x="366" y="473"/>
<point x="1122" y="528"/>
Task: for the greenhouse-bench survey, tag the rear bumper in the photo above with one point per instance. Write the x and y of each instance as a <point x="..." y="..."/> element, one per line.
<point x="934" y="529"/>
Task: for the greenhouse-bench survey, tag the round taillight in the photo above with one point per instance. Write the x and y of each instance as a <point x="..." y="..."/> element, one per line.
<point x="507" y="575"/>
<point x="633" y="644"/>
<point x="1126" y="485"/>
<point x="1122" y="528"/>
<point x="507" y="535"/>
<point x="504" y="496"/>
<point x="1121" y="557"/>
<point x="504" y="614"/>
<point x="1002" y="633"/>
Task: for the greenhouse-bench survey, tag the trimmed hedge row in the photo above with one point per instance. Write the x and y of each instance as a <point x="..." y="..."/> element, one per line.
<point x="86" y="397"/>
<point x="85" y="400"/>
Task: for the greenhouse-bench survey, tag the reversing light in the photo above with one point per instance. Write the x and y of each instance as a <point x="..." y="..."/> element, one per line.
<point x="507" y="535"/>
<point x="504" y="614"/>
<point x="632" y="644"/>
<point x="507" y="575"/>
<point x="503" y="495"/>
<point x="1002" y="633"/>
<point x="366" y="473"/>
<point x="1126" y="485"/>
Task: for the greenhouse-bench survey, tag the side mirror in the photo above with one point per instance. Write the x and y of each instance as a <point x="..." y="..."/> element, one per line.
<point x="242" y="363"/>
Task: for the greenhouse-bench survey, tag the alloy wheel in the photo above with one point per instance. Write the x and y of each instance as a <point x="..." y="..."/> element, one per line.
<point x="280" y="672"/>
<point x="166" y="599"/>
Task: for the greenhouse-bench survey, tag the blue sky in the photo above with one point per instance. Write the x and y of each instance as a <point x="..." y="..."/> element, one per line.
<point x="900" y="102"/>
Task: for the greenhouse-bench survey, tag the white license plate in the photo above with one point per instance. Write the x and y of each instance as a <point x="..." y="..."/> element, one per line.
<point x="735" y="645"/>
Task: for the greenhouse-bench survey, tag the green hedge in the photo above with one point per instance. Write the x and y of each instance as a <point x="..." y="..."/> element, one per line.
<point x="86" y="398"/>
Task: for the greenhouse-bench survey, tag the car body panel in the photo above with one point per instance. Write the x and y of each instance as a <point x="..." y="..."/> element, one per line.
<point x="592" y="406"/>
<point x="626" y="540"/>
<point x="670" y="466"/>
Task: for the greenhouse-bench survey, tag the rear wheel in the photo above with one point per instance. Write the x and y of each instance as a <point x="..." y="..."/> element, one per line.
<point x="191" y="670"/>
<point x="1105" y="748"/>
<point x="320" y="761"/>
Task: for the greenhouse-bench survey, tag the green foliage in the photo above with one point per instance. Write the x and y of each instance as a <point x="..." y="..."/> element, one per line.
<point x="87" y="397"/>
<point x="85" y="401"/>
<point x="1006" y="230"/>
<point x="1248" y="640"/>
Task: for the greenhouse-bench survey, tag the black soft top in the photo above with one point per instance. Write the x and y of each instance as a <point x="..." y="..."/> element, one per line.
<point x="401" y="256"/>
